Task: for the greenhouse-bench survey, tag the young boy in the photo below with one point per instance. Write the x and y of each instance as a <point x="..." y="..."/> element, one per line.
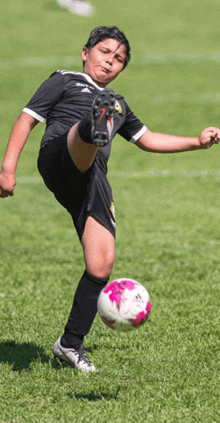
<point x="82" y="117"/>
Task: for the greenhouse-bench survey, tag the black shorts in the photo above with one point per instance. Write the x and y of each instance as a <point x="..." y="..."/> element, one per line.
<point x="82" y="194"/>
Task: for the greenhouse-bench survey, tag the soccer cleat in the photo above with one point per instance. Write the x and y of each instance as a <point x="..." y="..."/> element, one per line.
<point x="77" y="359"/>
<point x="102" y="117"/>
<point x="78" y="7"/>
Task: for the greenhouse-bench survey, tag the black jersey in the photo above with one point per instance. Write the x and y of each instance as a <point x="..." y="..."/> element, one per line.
<point x="66" y="96"/>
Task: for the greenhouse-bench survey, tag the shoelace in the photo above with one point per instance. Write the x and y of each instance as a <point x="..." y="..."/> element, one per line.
<point x="83" y="356"/>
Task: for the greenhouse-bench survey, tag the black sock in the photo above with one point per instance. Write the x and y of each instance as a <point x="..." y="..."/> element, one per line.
<point x="85" y="129"/>
<point x="83" y="310"/>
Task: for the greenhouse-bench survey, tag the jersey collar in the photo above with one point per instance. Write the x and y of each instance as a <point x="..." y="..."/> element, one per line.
<point x="89" y="79"/>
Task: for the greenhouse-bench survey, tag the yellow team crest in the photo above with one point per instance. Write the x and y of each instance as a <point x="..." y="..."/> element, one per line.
<point x="118" y="107"/>
<point x="112" y="209"/>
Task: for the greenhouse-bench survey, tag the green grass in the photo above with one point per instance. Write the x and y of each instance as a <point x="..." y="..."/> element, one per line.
<point x="168" y="233"/>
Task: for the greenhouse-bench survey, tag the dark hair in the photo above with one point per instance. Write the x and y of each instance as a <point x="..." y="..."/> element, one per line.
<point x="102" y="32"/>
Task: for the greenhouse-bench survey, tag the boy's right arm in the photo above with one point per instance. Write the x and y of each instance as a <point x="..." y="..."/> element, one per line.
<point x="18" y="137"/>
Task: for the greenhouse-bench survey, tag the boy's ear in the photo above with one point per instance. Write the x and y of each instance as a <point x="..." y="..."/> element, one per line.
<point x="84" y="54"/>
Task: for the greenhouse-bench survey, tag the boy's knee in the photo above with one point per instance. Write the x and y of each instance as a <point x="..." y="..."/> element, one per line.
<point x="102" y="266"/>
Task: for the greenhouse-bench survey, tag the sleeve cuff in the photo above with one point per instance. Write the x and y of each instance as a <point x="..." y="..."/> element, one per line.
<point x="139" y="134"/>
<point x="34" y="114"/>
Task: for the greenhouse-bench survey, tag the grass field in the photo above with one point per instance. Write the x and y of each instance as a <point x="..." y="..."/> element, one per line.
<point x="168" y="232"/>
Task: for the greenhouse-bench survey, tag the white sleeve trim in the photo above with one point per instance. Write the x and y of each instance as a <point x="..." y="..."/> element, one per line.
<point x="33" y="114"/>
<point x="139" y="134"/>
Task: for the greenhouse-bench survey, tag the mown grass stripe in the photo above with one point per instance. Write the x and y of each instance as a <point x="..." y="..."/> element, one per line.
<point x="26" y="62"/>
<point x="150" y="174"/>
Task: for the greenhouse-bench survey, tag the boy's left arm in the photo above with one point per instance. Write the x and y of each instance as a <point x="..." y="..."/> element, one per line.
<point x="163" y="143"/>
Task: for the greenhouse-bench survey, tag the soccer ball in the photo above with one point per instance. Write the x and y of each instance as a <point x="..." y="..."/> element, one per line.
<point x="124" y="304"/>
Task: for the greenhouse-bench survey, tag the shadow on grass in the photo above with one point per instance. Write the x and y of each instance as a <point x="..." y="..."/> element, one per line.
<point x="21" y="356"/>
<point x="92" y="396"/>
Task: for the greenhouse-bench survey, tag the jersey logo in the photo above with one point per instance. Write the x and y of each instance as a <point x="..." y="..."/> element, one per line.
<point x="86" y="90"/>
<point x="118" y="107"/>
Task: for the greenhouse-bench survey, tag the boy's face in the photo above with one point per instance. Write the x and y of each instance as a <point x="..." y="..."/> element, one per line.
<point x="104" y="61"/>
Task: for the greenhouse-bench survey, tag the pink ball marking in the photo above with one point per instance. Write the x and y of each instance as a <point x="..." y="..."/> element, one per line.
<point x="141" y="317"/>
<point x="117" y="290"/>
<point x="148" y="308"/>
<point x="107" y="323"/>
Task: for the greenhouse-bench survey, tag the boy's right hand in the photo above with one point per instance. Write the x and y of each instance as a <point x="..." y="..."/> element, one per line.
<point x="7" y="184"/>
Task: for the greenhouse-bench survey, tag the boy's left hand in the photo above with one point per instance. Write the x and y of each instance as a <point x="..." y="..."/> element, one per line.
<point x="209" y="136"/>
